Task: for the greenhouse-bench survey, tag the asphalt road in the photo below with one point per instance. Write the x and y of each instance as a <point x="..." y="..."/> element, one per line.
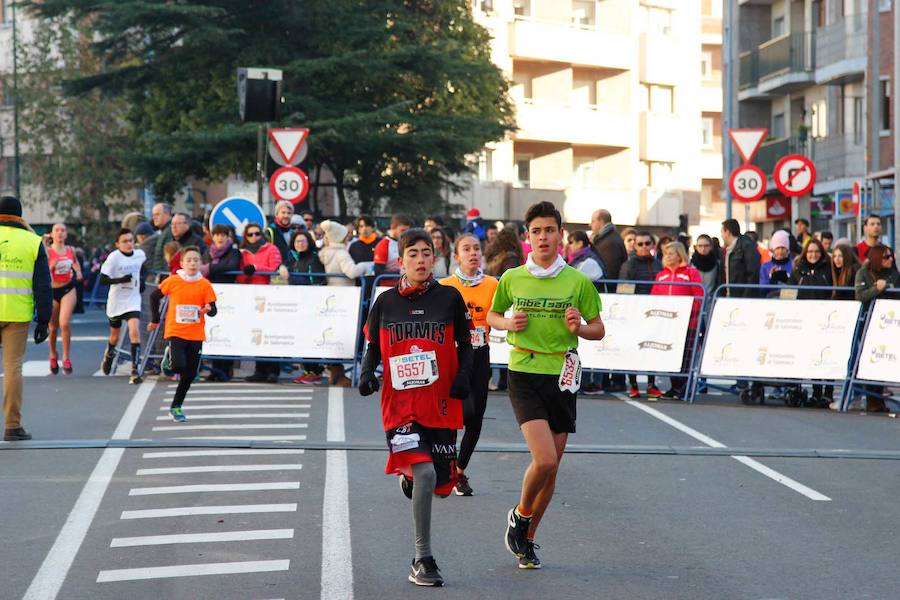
<point x="279" y="492"/>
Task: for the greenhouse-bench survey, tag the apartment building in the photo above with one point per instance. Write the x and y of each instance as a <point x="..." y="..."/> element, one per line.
<point x="618" y="106"/>
<point x="801" y="73"/>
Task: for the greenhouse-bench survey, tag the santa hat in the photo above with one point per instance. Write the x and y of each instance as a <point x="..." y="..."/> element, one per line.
<point x="473" y="214"/>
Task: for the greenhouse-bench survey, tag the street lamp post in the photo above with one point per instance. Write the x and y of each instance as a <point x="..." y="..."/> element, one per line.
<point x="16" y="160"/>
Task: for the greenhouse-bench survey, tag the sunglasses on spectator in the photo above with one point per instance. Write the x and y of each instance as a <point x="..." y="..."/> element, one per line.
<point x="643" y="243"/>
<point x="308" y="219"/>
<point x="253" y="234"/>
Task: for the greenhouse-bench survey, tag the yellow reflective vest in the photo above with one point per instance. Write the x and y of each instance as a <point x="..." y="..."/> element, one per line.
<point x="18" y="253"/>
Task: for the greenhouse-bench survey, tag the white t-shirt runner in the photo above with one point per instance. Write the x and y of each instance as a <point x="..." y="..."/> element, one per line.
<point x="124" y="297"/>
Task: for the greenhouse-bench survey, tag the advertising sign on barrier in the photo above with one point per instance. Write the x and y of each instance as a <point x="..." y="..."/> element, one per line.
<point x="789" y="339"/>
<point x="879" y="359"/>
<point x="276" y="321"/>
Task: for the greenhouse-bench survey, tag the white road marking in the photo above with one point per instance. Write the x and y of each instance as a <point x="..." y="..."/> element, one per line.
<point x="216" y="487"/>
<point x="232" y="392"/>
<point x="753" y="464"/>
<point x="226" y="452"/>
<point x="228" y="568"/>
<point x="253" y="438"/>
<point x="242" y="426"/>
<point x="186" y="511"/>
<point x="202" y="538"/>
<point x="192" y="400"/>
<point x="52" y="573"/>
<point x="294" y="415"/>
<point x="90" y="338"/>
<point x="235" y="406"/>
<point x="219" y="469"/>
<point x="337" y="557"/>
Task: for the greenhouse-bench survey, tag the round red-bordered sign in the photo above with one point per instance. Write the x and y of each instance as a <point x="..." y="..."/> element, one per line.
<point x="747" y="183"/>
<point x="289" y="183"/>
<point x="795" y="175"/>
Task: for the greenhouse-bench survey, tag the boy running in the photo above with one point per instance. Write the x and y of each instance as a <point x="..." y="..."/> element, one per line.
<point x="420" y="331"/>
<point x="123" y="272"/>
<point x="477" y="289"/>
<point x="549" y="300"/>
<point x="191" y="297"/>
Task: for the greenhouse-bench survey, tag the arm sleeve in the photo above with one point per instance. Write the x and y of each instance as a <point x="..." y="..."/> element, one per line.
<point x="107" y="280"/>
<point x="273" y="259"/>
<point x="625" y="271"/>
<point x="588" y="301"/>
<point x="212" y="309"/>
<point x="752" y="258"/>
<point x="502" y="301"/>
<point x="41" y="289"/>
<point x="373" y="334"/>
<point x="864" y="291"/>
<point x="156" y="297"/>
<point x="462" y="329"/>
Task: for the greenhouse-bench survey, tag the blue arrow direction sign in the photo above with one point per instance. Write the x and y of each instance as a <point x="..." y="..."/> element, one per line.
<point x="237" y="212"/>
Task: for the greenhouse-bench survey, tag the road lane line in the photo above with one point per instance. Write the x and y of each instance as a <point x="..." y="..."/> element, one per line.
<point x="745" y="460"/>
<point x="225" y="452"/>
<point x="187" y="511"/>
<point x="242" y="426"/>
<point x="52" y="574"/>
<point x="215" y="487"/>
<point x="194" y="399"/>
<point x="228" y="568"/>
<point x="192" y="408"/>
<point x="219" y="469"/>
<point x="337" y="557"/>
<point x="202" y="538"/>
<point x="291" y="415"/>
<point x="248" y="438"/>
<point x="231" y="392"/>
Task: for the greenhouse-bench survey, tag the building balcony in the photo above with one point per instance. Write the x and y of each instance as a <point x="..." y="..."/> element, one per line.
<point x="581" y="125"/>
<point x="711" y="98"/>
<point x="841" y="51"/>
<point x="520" y="198"/>
<point x="581" y="202"/>
<point x="711" y="30"/>
<point x="839" y="159"/>
<point x="661" y="137"/>
<point x="574" y="44"/>
<point x="772" y="151"/>
<point x="787" y="63"/>
<point x="661" y="59"/>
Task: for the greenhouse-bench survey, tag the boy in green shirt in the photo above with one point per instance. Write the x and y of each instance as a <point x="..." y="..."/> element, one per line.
<point x="549" y="300"/>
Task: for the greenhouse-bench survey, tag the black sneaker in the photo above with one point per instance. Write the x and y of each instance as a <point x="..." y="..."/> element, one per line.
<point x="462" y="486"/>
<point x="424" y="571"/>
<point x="406" y="486"/>
<point x="17" y="434"/>
<point x="135" y="378"/>
<point x="517" y="533"/>
<point x="530" y="560"/>
<point x="671" y="395"/>
<point x="106" y="364"/>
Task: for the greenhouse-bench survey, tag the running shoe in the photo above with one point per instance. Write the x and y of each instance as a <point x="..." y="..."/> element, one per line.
<point x="166" y="364"/>
<point x="424" y="571"/>
<point x="671" y="395"/>
<point x="67" y="367"/>
<point x="406" y="486"/>
<point x="530" y="560"/>
<point x="462" y="486"/>
<point x="634" y="393"/>
<point x="517" y="533"/>
<point x="135" y="378"/>
<point x="177" y="414"/>
<point x="653" y="391"/>
<point x="54" y="366"/>
<point x="106" y="365"/>
<point x="307" y="379"/>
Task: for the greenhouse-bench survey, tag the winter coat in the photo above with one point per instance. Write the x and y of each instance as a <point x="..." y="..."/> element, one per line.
<point x="309" y="263"/>
<point x="275" y="235"/>
<point x="808" y="274"/>
<point x="742" y="266"/>
<point x="266" y="260"/>
<point x="593" y="266"/>
<point x="640" y="268"/>
<point x="865" y="284"/>
<point x="228" y="262"/>
<point x="685" y="274"/>
<point x="609" y="246"/>
<point x="336" y="259"/>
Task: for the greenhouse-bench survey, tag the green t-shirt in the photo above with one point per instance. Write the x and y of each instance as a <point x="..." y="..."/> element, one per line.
<point x="545" y="302"/>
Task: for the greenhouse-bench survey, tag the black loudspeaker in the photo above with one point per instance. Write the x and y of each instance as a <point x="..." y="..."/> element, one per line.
<point x="259" y="94"/>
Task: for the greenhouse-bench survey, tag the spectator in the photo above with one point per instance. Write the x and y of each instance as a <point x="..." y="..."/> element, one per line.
<point x="474" y="225"/>
<point x="442" y="252"/>
<point x="628" y="240"/>
<point x="386" y="256"/>
<point x="161" y="215"/>
<point x="677" y="269"/>
<point x="778" y="269"/>
<point x="220" y="264"/>
<point x="309" y="219"/>
<point x="607" y="243"/>
<point x="183" y="233"/>
<point x="741" y="259"/>
<point x="303" y="261"/>
<point x="661" y="243"/>
<point x="583" y="257"/>
<point x="491" y="232"/>
<point x="872" y="232"/>
<point x="362" y="249"/>
<point x="143" y="232"/>
<point x="279" y="232"/>
<point x="433" y="222"/>
<point x="641" y="267"/>
<point x="827" y="239"/>
<point x="171" y="254"/>
<point x="504" y="254"/>
<point x="812" y="268"/>
<point x="764" y="255"/>
<point x="844" y="266"/>
<point x="707" y="263"/>
<point x="801" y="228"/>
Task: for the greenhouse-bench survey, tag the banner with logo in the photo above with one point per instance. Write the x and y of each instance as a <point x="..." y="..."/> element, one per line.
<point x="785" y="339"/>
<point x="290" y="321"/>
<point x="879" y="358"/>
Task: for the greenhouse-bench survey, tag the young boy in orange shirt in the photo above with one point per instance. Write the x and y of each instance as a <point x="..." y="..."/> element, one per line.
<point x="191" y="297"/>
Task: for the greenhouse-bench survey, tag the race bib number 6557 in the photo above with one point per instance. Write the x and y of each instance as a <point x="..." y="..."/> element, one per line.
<point x="415" y="370"/>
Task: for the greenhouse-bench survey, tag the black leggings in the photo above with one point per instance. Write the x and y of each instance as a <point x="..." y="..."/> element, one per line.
<point x="475" y="404"/>
<point x="185" y="361"/>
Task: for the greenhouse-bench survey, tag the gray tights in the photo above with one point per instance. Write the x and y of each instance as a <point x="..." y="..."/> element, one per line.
<point x="424" y="478"/>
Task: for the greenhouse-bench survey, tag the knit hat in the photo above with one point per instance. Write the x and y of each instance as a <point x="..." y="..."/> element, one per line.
<point x="335" y="233"/>
<point x="780" y="239"/>
<point x="10" y="205"/>
<point x="473" y="214"/>
<point x="144" y="228"/>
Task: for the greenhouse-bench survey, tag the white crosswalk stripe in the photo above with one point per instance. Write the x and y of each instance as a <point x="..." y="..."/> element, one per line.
<point x="223" y="452"/>
<point x="243" y="416"/>
<point x="192" y="408"/>
<point x="218" y="469"/>
<point x="199" y="538"/>
<point x="232" y="426"/>
<point x="227" y="568"/>
<point x="185" y="511"/>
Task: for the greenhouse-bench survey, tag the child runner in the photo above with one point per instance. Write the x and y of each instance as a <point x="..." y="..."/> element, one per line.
<point x="477" y="290"/>
<point x="123" y="272"/>
<point x="421" y="332"/>
<point x="549" y="299"/>
<point x="65" y="273"/>
<point x="191" y="297"/>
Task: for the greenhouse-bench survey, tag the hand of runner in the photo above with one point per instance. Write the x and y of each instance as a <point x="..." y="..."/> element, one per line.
<point x="206" y="309"/>
<point x="573" y="319"/>
<point x="152" y="326"/>
<point x="518" y="322"/>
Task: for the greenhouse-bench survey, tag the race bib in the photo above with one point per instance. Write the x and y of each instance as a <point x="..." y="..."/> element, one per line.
<point x="479" y="337"/>
<point x="402" y="443"/>
<point x="63" y="267"/>
<point x="570" y="377"/>
<point x="409" y="371"/>
<point x="187" y="313"/>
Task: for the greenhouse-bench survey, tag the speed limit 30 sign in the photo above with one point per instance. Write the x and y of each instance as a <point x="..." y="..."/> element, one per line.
<point x="747" y="183"/>
<point x="289" y="183"/>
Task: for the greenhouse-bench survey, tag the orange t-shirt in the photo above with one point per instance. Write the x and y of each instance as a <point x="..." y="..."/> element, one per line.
<point x="479" y="299"/>
<point x="184" y="316"/>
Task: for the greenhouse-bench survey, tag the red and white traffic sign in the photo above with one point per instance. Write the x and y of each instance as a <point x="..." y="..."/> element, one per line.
<point x="288" y="143"/>
<point x="289" y="183"/>
<point x="747" y="141"/>
<point x="747" y="183"/>
<point x="795" y="175"/>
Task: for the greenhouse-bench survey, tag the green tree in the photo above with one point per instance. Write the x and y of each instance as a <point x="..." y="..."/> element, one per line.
<point x="397" y="94"/>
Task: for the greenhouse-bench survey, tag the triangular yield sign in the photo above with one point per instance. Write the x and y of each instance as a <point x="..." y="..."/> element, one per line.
<point x="747" y="141"/>
<point x="288" y="142"/>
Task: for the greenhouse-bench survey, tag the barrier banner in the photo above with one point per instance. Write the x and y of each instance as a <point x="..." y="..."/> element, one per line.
<point x="785" y="339"/>
<point x="879" y="359"/>
<point x="290" y="321"/>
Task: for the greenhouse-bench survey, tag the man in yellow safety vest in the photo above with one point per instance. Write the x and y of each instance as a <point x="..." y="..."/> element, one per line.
<point x="24" y="289"/>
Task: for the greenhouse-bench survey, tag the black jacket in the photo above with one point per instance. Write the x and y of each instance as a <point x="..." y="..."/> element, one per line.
<point x="609" y="246"/>
<point x="743" y="266"/>
<point x="229" y="262"/>
<point x="192" y="239"/>
<point x="361" y="251"/>
<point x="865" y="284"/>
<point x="41" y="289"/>
<point x="309" y="263"/>
<point x="819" y="274"/>
<point x="640" y="268"/>
<point x="275" y="234"/>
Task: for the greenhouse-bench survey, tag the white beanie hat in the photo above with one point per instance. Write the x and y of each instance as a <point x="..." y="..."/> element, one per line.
<point x="335" y="233"/>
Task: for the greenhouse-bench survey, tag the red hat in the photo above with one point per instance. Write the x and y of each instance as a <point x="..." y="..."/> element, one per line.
<point x="473" y="214"/>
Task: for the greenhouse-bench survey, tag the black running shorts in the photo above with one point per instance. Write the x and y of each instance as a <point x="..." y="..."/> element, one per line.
<point x="413" y="443"/>
<point x="537" y="396"/>
<point x="116" y="322"/>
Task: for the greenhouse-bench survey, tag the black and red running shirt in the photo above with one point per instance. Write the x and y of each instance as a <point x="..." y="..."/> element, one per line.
<point x="435" y="321"/>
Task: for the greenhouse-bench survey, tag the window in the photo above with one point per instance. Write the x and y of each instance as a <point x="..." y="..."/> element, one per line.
<point x="523" y="170"/>
<point x="884" y="5"/>
<point x="583" y="13"/>
<point x="585" y="172"/>
<point x="885" y="98"/>
<point x="778" y="27"/>
<point x="522" y="8"/>
<point x="819" y="119"/>
<point x="487" y="6"/>
<point x="778" y="125"/>
<point x="486" y="165"/>
<point x="706" y="66"/>
<point x="657" y="20"/>
<point x="707" y="129"/>
<point x="658" y="175"/>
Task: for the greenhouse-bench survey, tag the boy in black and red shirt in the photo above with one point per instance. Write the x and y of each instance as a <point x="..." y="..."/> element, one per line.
<point x="421" y="332"/>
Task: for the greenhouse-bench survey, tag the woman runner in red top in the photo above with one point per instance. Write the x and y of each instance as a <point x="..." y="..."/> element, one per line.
<point x="420" y="333"/>
<point x="65" y="273"/>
